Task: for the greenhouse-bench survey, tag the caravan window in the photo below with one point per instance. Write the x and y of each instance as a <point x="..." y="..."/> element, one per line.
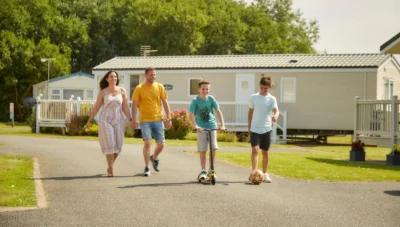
<point x="288" y="90"/>
<point x="67" y="94"/>
<point x="134" y="81"/>
<point x="89" y="94"/>
<point x="121" y="80"/>
<point x="193" y="86"/>
<point x="55" y="94"/>
<point x="388" y="89"/>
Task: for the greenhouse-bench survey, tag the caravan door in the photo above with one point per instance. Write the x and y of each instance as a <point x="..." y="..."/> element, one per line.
<point x="245" y="87"/>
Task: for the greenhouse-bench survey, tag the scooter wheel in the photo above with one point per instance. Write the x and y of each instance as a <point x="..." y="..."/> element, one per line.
<point x="213" y="180"/>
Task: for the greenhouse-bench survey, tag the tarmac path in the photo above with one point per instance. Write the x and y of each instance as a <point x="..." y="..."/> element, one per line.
<point x="79" y="194"/>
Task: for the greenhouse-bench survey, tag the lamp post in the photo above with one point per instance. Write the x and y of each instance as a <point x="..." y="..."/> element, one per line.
<point x="48" y="60"/>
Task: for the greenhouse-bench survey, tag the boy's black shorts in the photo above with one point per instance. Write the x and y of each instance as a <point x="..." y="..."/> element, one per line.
<point x="261" y="140"/>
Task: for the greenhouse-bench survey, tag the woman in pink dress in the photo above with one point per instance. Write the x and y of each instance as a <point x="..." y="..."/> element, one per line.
<point x="111" y="122"/>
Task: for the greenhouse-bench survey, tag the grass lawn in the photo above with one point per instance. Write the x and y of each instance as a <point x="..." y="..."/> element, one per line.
<point x="9" y="124"/>
<point x="323" y="163"/>
<point x="327" y="163"/>
<point x="16" y="185"/>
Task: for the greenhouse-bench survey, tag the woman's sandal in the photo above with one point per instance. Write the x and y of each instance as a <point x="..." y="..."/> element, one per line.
<point x="109" y="173"/>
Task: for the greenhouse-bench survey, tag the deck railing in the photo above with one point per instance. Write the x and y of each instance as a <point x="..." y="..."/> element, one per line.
<point x="377" y="118"/>
<point x="53" y="112"/>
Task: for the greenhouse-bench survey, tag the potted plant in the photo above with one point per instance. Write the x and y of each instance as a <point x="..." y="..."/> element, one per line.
<point x="393" y="158"/>
<point x="357" y="152"/>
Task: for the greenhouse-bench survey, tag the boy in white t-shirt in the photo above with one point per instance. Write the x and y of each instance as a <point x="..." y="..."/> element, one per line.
<point x="263" y="110"/>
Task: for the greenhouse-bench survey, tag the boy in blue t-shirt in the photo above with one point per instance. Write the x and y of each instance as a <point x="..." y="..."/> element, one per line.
<point x="201" y="114"/>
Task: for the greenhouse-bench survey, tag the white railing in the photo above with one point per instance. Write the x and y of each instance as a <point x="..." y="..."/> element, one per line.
<point x="377" y="118"/>
<point x="53" y="112"/>
<point x="235" y="113"/>
<point x="282" y="125"/>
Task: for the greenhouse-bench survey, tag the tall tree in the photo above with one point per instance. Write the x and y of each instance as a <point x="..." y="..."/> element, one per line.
<point x="294" y="33"/>
<point x="172" y="27"/>
<point x="31" y="30"/>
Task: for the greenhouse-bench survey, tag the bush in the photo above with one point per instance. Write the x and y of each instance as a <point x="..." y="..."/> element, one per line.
<point x="245" y="137"/>
<point x="129" y="131"/>
<point x="191" y="136"/>
<point x="227" y="137"/>
<point x="93" y="130"/>
<point x="76" y="124"/>
<point x="32" y="121"/>
<point x="181" y="125"/>
<point x="221" y="137"/>
<point x="231" y="137"/>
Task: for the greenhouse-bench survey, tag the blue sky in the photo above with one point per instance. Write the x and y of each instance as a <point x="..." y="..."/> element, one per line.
<point x="352" y="26"/>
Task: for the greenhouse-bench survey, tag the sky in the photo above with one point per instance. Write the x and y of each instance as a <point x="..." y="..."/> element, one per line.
<point x="352" y="26"/>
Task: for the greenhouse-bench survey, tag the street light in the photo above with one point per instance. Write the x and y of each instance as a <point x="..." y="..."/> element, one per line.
<point x="48" y="60"/>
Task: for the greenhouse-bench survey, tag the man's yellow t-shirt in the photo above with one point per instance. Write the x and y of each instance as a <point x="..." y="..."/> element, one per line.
<point x="148" y="98"/>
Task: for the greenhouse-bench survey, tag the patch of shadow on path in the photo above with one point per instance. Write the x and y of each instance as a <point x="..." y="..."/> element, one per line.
<point x="393" y="193"/>
<point x="158" y="185"/>
<point x="371" y="164"/>
<point x="223" y="183"/>
<point x="81" y="177"/>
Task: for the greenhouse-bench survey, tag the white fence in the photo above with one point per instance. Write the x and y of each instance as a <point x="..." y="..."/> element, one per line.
<point x="57" y="113"/>
<point x="377" y="121"/>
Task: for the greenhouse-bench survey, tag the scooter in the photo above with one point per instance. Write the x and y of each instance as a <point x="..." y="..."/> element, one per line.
<point x="211" y="174"/>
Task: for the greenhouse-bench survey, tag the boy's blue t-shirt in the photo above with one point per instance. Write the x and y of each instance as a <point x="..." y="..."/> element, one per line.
<point x="204" y="111"/>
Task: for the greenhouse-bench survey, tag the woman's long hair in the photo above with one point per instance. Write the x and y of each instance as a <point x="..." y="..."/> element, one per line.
<point x="104" y="83"/>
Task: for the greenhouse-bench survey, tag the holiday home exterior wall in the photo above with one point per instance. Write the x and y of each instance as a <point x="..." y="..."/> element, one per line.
<point x="317" y="91"/>
<point x="79" y="84"/>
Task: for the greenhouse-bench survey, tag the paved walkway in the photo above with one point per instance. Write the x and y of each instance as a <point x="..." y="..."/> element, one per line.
<point x="78" y="194"/>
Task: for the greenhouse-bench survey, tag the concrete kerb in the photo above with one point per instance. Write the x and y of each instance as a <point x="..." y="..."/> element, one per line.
<point x="39" y="191"/>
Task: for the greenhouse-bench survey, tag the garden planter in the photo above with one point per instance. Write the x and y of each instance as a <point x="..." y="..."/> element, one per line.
<point x="357" y="155"/>
<point x="393" y="159"/>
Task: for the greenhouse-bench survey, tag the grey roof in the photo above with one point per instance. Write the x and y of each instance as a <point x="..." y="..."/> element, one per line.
<point x="247" y="61"/>
<point x="71" y="75"/>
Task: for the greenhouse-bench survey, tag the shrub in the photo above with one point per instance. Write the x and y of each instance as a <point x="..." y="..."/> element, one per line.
<point x="181" y="125"/>
<point x="76" y="124"/>
<point x="129" y="131"/>
<point x="231" y="137"/>
<point x="93" y="130"/>
<point x="32" y="121"/>
<point x="245" y="137"/>
<point x="191" y="136"/>
<point x="227" y="137"/>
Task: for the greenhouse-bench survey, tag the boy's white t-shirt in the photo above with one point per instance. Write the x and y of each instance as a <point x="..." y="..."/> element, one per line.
<point x="262" y="106"/>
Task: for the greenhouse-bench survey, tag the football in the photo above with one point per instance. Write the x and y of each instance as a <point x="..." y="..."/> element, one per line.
<point x="256" y="177"/>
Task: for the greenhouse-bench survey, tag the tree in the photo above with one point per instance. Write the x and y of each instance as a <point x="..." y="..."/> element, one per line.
<point x="172" y="27"/>
<point x="81" y="34"/>
<point x="23" y="42"/>
<point x="294" y="34"/>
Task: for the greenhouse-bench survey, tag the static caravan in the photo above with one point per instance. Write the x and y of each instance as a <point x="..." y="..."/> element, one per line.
<point x="317" y="91"/>
<point x="75" y="85"/>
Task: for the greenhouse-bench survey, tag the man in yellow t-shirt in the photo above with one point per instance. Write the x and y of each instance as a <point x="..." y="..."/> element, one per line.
<point x="148" y="97"/>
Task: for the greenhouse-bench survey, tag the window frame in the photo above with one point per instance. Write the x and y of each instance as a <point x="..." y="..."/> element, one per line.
<point x="89" y="90"/>
<point x="282" y="100"/>
<point x="59" y="95"/>
<point x="189" y="80"/>
<point x="388" y="91"/>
